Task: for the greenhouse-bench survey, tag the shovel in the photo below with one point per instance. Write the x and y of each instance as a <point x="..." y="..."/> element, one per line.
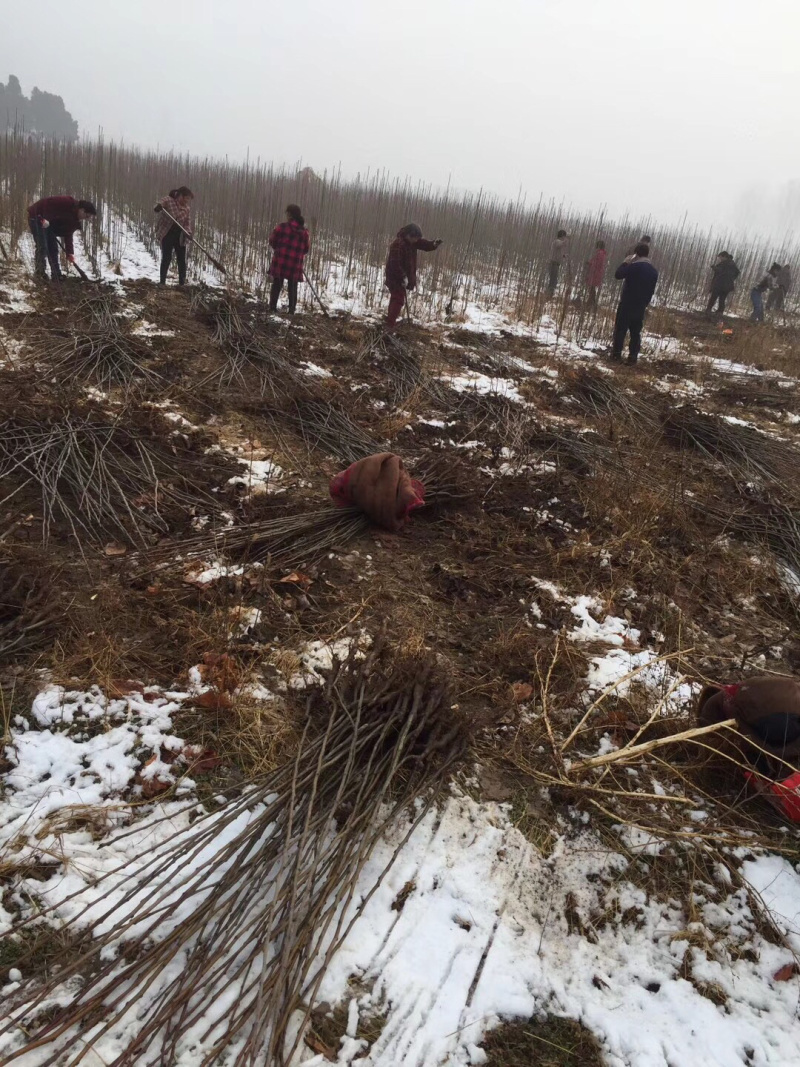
<point x="80" y="270"/>
<point x="214" y="262"/>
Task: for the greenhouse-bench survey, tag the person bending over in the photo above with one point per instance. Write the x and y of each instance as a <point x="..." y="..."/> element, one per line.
<point x="52" y="218"/>
<point x="765" y="284"/>
<point x="401" y="267"/>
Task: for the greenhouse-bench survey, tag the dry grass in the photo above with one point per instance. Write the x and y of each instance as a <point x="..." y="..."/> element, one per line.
<point x="547" y="1041"/>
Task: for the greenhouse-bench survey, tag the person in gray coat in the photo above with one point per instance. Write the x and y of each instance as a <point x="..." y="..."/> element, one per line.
<point x="783" y="283"/>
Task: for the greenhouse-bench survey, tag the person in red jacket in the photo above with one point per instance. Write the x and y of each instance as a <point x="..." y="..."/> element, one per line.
<point x="595" y="272"/>
<point x="290" y="243"/>
<point x="401" y="267"/>
<point x="52" y="218"/>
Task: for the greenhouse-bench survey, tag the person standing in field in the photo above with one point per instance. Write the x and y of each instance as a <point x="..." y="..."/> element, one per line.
<point x="595" y="272"/>
<point x="52" y="218"/>
<point x="559" y="255"/>
<point x="290" y="243"/>
<point x="645" y="239"/>
<point x="639" y="278"/>
<point x="724" y="273"/>
<point x="401" y="267"/>
<point x="765" y="284"/>
<point x="783" y="283"/>
<point x="173" y="232"/>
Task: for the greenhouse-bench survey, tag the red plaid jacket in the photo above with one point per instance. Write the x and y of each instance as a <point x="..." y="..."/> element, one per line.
<point x="401" y="264"/>
<point x="182" y="215"/>
<point x="290" y="244"/>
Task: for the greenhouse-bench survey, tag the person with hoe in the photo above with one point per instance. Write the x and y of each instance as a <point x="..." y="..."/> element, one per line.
<point x="290" y="243"/>
<point x="724" y="273"/>
<point x="174" y="229"/>
<point x="639" y="278"/>
<point x="401" y="267"/>
<point x="52" y="218"/>
<point x="595" y="272"/>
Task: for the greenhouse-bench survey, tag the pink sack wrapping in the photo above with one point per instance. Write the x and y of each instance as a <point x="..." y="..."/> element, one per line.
<point x="381" y="487"/>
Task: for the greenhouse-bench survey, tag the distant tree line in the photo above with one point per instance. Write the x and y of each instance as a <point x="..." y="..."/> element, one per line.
<point x="40" y="114"/>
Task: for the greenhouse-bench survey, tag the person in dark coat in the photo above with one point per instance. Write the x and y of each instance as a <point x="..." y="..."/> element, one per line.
<point x="783" y="283"/>
<point x="52" y="218"/>
<point x="173" y="232"/>
<point x="639" y="278"/>
<point x="765" y="284"/>
<point x="401" y="267"/>
<point x="381" y="487"/>
<point x="290" y="243"/>
<point x="767" y="714"/>
<point x="724" y="273"/>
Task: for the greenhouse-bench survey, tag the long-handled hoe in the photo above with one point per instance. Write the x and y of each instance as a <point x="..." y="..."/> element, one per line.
<point x="214" y="262"/>
<point x="80" y="270"/>
<point x="310" y="284"/>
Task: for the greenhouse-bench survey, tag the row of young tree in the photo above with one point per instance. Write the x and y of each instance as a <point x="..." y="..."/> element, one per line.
<point x="495" y="253"/>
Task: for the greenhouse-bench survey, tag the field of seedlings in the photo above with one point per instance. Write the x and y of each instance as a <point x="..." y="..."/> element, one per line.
<point x="279" y="787"/>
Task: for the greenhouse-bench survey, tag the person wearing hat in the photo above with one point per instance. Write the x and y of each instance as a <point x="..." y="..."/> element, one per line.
<point x="52" y="218"/>
<point x="401" y="267"/>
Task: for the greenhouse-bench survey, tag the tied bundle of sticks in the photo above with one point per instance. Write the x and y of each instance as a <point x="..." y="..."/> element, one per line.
<point x="103" y="354"/>
<point x="246" y="354"/>
<point x="292" y="540"/>
<point x="97" y="477"/>
<point x="327" y="428"/>
<point x="404" y="369"/>
<point x="601" y="395"/>
<point x="744" y="452"/>
<point x="215" y="946"/>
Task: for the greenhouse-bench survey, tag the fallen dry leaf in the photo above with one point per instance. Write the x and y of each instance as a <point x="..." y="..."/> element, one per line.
<point x="316" y="1044"/>
<point x="152" y="787"/>
<point x="214" y="700"/>
<point x="783" y="974"/>
<point x="122" y="687"/>
<point x="200" y="760"/>
<point x="297" y="578"/>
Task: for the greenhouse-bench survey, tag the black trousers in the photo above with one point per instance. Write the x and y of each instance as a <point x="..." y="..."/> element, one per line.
<point x="275" y="292"/>
<point x="630" y="319"/>
<point x="46" y="249"/>
<point x="173" y="242"/>
<point x="717" y="297"/>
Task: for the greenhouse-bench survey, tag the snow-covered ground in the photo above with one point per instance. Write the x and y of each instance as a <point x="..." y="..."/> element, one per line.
<point x="470" y="925"/>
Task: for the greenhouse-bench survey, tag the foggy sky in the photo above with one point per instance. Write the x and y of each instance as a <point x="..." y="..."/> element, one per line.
<point x="660" y="107"/>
